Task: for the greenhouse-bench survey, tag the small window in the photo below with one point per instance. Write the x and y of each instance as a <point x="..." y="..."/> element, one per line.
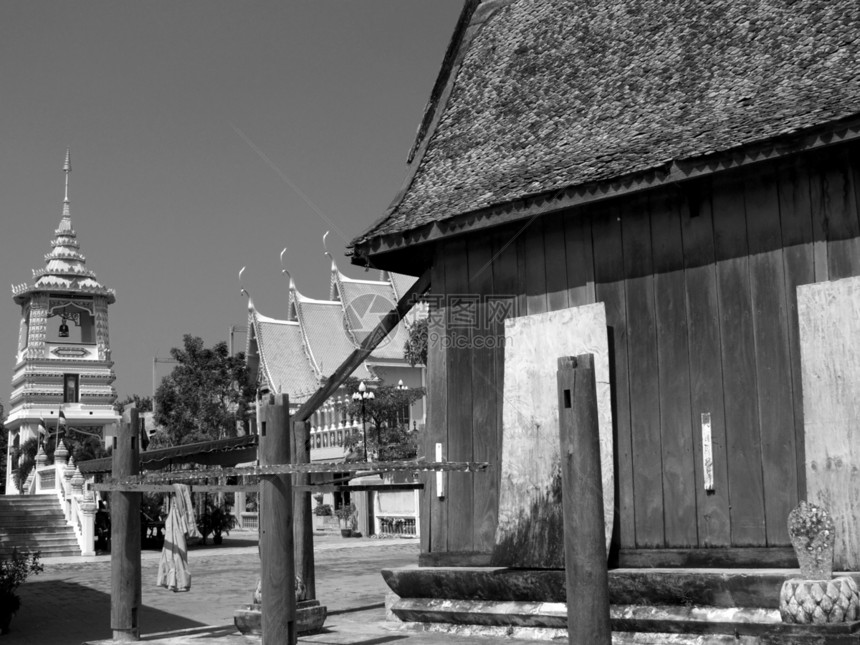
<point x="70" y="388"/>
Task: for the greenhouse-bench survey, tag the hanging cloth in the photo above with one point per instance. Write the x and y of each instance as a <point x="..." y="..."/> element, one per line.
<point x="173" y="570"/>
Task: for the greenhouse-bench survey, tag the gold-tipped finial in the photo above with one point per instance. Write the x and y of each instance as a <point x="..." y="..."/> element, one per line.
<point x="67" y="168"/>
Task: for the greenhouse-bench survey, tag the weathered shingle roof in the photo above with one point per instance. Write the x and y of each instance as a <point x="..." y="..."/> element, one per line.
<point x="552" y="94"/>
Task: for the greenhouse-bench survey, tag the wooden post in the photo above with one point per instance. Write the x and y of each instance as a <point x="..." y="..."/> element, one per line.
<point x="125" y="534"/>
<point x="303" y="527"/>
<point x="582" y="501"/>
<point x="277" y="558"/>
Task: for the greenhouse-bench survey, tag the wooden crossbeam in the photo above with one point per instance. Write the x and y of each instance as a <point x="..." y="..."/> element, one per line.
<point x="252" y="488"/>
<point x="168" y="488"/>
<point x="289" y="469"/>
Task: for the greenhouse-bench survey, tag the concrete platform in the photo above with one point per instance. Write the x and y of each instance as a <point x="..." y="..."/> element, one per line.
<point x="693" y="605"/>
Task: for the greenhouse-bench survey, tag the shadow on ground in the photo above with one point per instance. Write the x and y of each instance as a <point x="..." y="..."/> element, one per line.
<point x="55" y="612"/>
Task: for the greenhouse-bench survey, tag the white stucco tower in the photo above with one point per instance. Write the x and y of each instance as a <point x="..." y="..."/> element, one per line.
<point x="63" y="362"/>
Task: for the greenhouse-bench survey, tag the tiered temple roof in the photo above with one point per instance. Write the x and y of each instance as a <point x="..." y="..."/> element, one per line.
<point x="298" y="353"/>
<point x="65" y="267"/>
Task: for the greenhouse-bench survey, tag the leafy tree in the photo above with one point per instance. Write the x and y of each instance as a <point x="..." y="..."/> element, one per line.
<point x="204" y="397"/>
<point x="388" y="433"/>
<point x="24" y="456"/>
<point x="415" y="348"/>
<point x="142" y="403"/>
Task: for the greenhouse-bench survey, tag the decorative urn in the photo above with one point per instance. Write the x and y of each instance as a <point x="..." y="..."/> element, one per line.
<point x="816" y="596"/>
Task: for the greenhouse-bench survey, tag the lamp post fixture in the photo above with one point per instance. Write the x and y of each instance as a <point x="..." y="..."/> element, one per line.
<point x="399" y="387"/>
<point x="363" y="396"/>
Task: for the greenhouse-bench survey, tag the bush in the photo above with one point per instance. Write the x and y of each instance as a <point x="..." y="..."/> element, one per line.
<point x="13" y="573"/>
<point x="323" y="510"/>
<point x="215" y="520"/>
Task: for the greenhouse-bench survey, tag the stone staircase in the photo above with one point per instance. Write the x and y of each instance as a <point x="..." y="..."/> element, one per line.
<point x="35" y="523"/>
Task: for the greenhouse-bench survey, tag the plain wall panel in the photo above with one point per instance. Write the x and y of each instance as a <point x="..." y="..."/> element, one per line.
<point x="840" y="211"/>
<point x="485" y="387"/>
<point x="743" y="440"/>
<point x="706" y="370"/>
<point x="461" y="305"/>
<point x="580" y="260"/>
<point x="795" y="214"/>
<point x="611" y="290"/>
<point x="555" y="263"/>
<point x="673" y="364"/>
<point x="534" y="261"/>
<point x="434" y="538"/>
<point x="644" y="378"/>
<point x="773" y="371"/>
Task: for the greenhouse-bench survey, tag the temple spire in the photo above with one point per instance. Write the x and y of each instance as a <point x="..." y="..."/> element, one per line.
<point x="67" y="168"/>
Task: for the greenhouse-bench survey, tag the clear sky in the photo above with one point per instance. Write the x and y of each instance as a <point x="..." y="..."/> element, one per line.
<point x="205" y="135"/>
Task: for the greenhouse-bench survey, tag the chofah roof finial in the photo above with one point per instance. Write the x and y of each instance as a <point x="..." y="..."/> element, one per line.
<point x="285" y="272"/>
<point x="325" y="249"/>
<point x="245" y="292"/>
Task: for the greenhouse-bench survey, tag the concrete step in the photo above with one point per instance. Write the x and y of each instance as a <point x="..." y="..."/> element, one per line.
<point x="37" y="540"/>
<point x="42" y="530"/>
<point x="23" y="508"/>
<point x="35" y="523"/>
<point x="631" y="624"/>
<point x="52" y="552"/>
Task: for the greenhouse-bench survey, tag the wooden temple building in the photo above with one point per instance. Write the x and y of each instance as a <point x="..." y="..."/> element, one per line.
<point x="688" y="165"/>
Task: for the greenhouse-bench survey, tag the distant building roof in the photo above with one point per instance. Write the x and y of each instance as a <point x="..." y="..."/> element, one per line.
<point x="285" y="363"/>
<point x="324" y="331"/>
<point x="538" y="96"/>
<point x="297" y="354"/>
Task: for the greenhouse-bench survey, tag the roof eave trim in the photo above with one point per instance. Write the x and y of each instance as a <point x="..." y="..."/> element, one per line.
<point x="672" y="172"/>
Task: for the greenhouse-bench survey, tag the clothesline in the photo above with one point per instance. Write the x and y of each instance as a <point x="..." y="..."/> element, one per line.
<point x="113" y="484"/>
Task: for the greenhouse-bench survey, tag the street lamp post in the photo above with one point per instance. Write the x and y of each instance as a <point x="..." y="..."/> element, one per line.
<point x="401" y="387"/>
<point x="363" y="396"/>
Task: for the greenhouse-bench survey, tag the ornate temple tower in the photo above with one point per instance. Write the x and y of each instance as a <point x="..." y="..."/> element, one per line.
<point x="63" y="362"/>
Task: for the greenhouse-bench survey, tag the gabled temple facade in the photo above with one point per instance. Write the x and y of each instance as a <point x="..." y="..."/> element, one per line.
<point x="63" y="360"/>
<point x="294" y="355"/>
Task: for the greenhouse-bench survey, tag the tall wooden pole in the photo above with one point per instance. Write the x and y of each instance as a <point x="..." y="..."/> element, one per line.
<point x="277" y="558"/>
<point x="303" y="528"/>
<point x="587" y="580"/>
<point x="125" y="534"/>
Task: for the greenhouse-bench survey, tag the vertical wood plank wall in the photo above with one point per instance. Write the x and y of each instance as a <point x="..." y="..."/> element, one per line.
<point x="699" y="285"/>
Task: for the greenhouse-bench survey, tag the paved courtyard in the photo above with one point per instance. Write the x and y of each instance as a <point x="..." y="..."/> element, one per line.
<point x="69" y="603"/>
